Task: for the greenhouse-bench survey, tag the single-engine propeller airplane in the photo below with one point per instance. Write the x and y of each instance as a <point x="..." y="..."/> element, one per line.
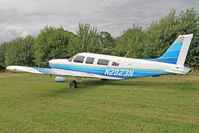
<point x="113" y="67"/>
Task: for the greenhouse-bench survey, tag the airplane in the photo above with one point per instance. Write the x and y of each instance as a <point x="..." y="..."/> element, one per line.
<point x="115" y="68"/>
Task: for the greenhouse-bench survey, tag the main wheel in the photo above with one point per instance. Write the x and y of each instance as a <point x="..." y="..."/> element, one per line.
<point x="73" y="84"/>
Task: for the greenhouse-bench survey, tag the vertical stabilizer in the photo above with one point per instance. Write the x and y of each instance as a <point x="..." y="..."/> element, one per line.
<point x="177" y="52"/>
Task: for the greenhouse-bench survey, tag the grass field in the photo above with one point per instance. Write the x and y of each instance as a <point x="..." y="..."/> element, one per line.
<point x="36" y="103"/>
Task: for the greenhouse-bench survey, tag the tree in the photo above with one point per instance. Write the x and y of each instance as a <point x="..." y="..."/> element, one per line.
<point x="87" y="40"/>
<point x="131" y="43"/>
<point x="20" y="51"/>
<point x="52" y="43"/>
<point x="106" y="40"/>
<point x="160" y="35"/>
<point x="2" y="55"/>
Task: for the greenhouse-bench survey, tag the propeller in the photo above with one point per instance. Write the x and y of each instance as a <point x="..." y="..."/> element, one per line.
<point x="44" y="64"/>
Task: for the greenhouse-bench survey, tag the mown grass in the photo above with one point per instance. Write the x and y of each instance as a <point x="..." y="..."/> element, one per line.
<point x="36" y="103"/>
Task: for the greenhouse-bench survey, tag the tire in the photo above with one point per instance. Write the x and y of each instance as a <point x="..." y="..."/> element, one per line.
<point x="73" y="84"/>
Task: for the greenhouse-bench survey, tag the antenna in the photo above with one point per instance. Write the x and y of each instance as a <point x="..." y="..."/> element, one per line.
<point x="127" y="53"/>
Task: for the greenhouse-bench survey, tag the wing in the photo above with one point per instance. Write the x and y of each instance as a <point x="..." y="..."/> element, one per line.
<point x="38" y="70"/>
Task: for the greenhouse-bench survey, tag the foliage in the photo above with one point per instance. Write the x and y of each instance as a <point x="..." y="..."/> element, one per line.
<point x="106" y="40"/>
<point x="2" y="55"/>
<point x="20" y="51"/>
<point x="52" y="43"/>
<point x="160" y="35"/>
<point x="87" y="40"/>
<point x="131" y="43"/>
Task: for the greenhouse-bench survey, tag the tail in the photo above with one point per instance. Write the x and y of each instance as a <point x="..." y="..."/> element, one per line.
<point x="176" y="54"/>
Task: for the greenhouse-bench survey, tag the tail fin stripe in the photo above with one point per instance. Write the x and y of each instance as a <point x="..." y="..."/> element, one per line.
<point x="173" y="54"/>
<point x="173" y="51"/>
<point x="177" y="45"/>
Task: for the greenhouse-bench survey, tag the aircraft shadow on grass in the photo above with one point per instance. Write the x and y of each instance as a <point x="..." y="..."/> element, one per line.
<point x="137" y="84"/>
<point x="95" y="84"/>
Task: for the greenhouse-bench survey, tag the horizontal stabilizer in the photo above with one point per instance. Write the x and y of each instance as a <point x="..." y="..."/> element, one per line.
<point x="184" y="70"/>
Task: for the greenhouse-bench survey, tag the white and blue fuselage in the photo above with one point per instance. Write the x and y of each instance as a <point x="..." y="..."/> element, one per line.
<point x="113" y="67"/>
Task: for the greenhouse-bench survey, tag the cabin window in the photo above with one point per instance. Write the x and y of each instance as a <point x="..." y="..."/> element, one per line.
<point x="102" y="62"/>
<point x="71" y="58"/>
<point x="115" y="64"/>
<point x="79" y="59"/>
<point x="89" y="60"/>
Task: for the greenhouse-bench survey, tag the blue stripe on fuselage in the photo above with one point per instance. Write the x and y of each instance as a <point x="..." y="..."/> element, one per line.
<point x="111" y="72"/>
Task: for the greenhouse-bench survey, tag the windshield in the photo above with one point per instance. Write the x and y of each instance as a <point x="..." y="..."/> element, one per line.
<point x="71" y="58"/>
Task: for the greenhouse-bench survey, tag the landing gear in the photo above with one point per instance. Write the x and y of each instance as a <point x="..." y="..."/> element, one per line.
<point x="73" y="84"/>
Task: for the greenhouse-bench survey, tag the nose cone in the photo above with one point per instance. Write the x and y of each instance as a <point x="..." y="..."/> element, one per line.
<point x="50" y="61"/>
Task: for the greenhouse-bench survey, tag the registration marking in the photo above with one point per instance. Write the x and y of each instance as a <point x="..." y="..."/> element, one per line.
<point x="119" y="72"/>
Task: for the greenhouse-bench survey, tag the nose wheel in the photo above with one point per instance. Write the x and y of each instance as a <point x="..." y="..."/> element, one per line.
<point x="73" y="84"/>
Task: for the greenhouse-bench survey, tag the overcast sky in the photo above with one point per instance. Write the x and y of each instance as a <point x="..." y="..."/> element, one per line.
<point x="23" y="17"/>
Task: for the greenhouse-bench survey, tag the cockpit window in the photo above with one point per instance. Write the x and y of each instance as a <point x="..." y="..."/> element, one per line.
<point x="115" y="64"/>
<point x="79" y="59"/>
<point x="89" y="60"/>
<point x="102" y="62"/>
<point x="71" y="58"/>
